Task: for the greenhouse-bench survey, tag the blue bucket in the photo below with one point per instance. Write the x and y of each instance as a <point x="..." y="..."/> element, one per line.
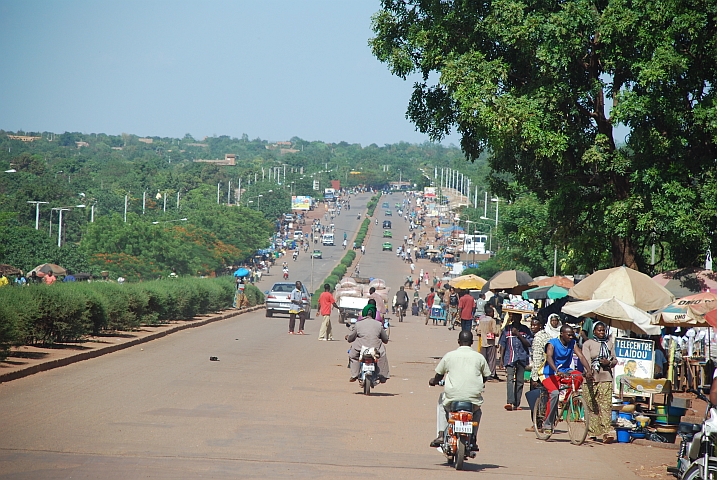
<point x="626" y="416"/>
<point x="623" y="435"/>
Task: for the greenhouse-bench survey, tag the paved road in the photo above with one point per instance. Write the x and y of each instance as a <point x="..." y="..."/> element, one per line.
<point x="273" y="406"/>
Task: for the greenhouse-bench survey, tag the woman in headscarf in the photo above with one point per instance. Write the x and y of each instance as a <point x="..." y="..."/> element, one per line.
<point x="370" y="311"/>
<point x="600" y="352"/>
<point x="552" y="326"/>
<point x="371" y="335"/>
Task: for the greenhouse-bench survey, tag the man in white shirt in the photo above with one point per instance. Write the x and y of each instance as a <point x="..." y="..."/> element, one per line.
<point x="464" y="370"/>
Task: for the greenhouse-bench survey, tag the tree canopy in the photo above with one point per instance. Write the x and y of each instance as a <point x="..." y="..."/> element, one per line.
<point x="542" y="86"/>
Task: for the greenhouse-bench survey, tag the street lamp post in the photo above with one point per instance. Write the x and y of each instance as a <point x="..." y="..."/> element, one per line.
<point x="496" y="200"/>
<point x="59" y="221"/>
<point x="37" y="213"/>
<point x="168" y="221"/>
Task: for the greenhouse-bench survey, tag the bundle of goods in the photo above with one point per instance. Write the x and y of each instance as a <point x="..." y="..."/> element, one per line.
<point x="348" y="282"/>
<point x="520" y="305"/>
<point x="348" y="292"/>
<point x="377" y="283"/>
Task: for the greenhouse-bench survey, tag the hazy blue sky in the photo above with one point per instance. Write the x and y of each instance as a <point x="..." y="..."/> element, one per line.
<point x="268" y="68"/>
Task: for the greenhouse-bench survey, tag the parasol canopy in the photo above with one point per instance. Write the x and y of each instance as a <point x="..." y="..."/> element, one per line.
<point x="468" y="282"/>
<point x="558" y="280"/>
<point x="515" y="280"/>
<point x="241" y="272"/>
<point x="687" y="311"/>
<point x="625" y="284"/>
<point x="47" y="267"/>
<point x="552" y="292"/>
<point x="615" y="313"/>
<point x="687" y="281"/>
<point x="6" y="269"/>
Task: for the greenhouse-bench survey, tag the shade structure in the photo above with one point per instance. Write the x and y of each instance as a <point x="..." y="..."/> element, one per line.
<point x="513" y="280"/>
<point x="6" y="269"/>
<point x="687" y="281"/>
<point x="558" y="280"/>
<point x="47" y="267"/>
<point x="241" y="272"/>
<point x="468" y="282"/>
<point x="552" y="292"/>
<point x="615" y="313"/>
<point x="686" y="311"/>
<point x="625" y="284"/>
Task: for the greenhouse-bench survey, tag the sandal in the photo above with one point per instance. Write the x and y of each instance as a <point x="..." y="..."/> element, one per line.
<point x="301" y="332"/>
<point x="291" y="333"/>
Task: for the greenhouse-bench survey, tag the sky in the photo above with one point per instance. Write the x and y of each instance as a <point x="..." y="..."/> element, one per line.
<point x="272" y="69"/>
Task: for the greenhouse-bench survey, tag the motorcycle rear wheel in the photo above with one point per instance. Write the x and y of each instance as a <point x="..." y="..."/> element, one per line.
<point x="460" y="454"/>
<point x="695" y="472"/>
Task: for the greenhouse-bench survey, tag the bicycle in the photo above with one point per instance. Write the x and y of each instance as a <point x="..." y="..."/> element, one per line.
<point x="572" y="407"/>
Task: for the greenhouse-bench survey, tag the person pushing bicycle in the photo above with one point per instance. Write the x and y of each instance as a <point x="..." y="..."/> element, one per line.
<point x="558" y="359"/>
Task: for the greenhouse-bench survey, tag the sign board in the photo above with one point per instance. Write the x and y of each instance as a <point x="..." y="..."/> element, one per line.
<point x="429" y="191"/>
<point x="316" y="185"/>
<point x="635" y="358"/>
<point x="300" y="202"/>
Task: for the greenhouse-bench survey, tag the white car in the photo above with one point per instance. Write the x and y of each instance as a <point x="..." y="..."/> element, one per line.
<point x="327" y="239"/>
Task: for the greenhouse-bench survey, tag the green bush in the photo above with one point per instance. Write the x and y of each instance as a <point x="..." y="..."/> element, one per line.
<point x="67" y="311"/>
<point x="253" y="295"/>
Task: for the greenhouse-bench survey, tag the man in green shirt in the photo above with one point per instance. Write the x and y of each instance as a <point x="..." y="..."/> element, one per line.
<point x="464" y="370"/>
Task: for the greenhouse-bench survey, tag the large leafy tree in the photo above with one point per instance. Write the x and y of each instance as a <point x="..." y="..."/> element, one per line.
<point x="542" y="86"/>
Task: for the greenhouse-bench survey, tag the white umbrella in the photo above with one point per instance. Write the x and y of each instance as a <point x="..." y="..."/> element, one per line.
<point x="614" y="312"/>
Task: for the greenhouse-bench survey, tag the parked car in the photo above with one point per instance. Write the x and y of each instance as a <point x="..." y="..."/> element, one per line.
<point x="387" y="224"/>
<point x="387" y="234"/>
<point x="316" y="254"/>
<point x="387" y="246"/>
<point x="277" y="299"/>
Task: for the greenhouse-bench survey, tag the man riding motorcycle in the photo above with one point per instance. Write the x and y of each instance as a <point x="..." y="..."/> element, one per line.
<point x="463" y="370"/>
<point x="402" y="299"/>
<point x="368" y="333"/>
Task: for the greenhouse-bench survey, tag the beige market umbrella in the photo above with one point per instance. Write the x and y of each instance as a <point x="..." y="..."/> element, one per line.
<point x="468" y="282"/>
<point x="625" y="284"/>
<point x="47" y="267"/>
<point x="687" y="311"/>
<point x="615" y="313"/>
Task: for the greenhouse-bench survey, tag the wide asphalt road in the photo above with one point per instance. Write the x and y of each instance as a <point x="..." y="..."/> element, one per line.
<point x="273" y="406"/>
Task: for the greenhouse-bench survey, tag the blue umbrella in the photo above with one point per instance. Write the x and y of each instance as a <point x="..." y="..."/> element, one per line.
<point x="241" y="272"/>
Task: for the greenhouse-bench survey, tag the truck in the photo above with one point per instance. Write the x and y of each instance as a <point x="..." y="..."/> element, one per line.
<point x="327" y="239"/>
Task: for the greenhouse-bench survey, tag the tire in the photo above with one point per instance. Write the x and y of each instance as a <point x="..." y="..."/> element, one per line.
<point x="578" y="419"/>
<point x="695" y="472"/>
<point x="269" y="313"/>
<point x="460" y="454"/>
<point x="539" y="416"/>
<point x="366" y="385"/>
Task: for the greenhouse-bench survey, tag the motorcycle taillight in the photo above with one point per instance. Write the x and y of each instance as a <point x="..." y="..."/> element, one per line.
<point x="367" y="359"/>
<point x="462" y="416"/>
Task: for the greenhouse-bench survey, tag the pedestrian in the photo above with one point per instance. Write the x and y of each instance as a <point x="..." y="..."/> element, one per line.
<point x="466" y="308"/>
<point x="297" y="308"/>
<point x="326" y="301"/>
<point x="4" y="282"/>
<point x="537" y="360"/>
<point x="514" y="352"/>
<point x="50" y="278"/>
<point x="425" y="277"/>
<point x="488" y="329"/>
<point x="413" y="267"/>
<point x="453" y="313"/>
<point x="430" y="298"/>
<point x="600" y="352"/>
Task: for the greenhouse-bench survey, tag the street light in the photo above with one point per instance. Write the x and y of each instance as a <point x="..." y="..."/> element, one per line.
<point x="37" y="213"/>
<point x="12" y="170"/>
<point x="496" y="200"/>
<point x="168" y="221"/>
<point x="257" y="200"/>
<point x="59" y="221"/>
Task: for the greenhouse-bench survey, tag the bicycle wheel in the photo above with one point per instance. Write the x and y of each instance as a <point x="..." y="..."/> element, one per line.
<point x="539" y="416"/>
<point x="578" y="419"/>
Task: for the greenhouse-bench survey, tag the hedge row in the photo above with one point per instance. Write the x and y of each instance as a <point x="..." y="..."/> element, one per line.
<point x="68" y="311"/>
<point x="363" y="230"/>
<point x="371" y="205"/>
<point x="334" y="277"/>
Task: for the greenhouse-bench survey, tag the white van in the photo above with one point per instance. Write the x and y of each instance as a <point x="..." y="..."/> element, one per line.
<point x="327" y="239"/>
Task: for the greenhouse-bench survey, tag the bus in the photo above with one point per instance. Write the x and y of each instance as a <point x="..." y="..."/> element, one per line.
<point x="474" y="243"/>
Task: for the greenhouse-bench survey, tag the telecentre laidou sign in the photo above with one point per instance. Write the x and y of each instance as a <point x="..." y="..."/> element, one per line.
<point x="635" y="358"/>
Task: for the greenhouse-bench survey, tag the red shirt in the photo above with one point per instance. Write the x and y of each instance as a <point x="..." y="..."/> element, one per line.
<point x="326" y="300"/>
<point x="466" y="304"/>
<point x="429" y="299"/>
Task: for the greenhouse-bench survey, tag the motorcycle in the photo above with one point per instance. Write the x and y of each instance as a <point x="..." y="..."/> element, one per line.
<point x="458" y="436"/>
<point x="358" y="217"/>
<point x="696" y="457"/>
<point x="368" y="371"/>
<point x="286" y="274"/>
<point x="295" y="255"/>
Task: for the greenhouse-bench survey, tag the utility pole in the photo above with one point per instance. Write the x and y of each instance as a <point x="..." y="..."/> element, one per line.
<point x="229" y="193"/>
<point x="144" y="201"/>
<point x="218" y="185"/>
<point x="125" y="209"/>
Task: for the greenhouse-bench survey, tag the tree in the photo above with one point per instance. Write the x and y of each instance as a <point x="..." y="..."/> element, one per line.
<point x="531" y="82"/>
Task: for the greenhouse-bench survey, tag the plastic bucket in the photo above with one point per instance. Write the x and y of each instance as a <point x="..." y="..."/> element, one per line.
<point x="623" y="435"/>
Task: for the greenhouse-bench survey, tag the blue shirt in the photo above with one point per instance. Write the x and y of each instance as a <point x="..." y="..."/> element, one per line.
<point x="513" y="349"/>
<point x="562" y="356"/>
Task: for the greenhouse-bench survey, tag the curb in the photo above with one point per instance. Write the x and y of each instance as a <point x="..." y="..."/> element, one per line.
<point x="52" y="364"/>
<point x="647" y="443"/>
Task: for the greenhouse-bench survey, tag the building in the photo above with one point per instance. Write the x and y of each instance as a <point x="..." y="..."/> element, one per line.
<point x="229" y="160"/>
<point x="23" y="138"/>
